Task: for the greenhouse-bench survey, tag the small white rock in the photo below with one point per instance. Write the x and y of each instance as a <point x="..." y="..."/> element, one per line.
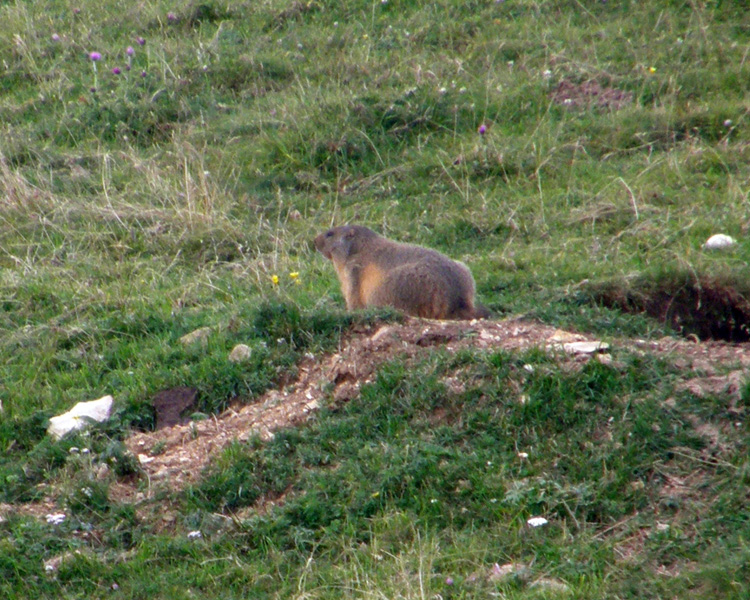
<point x="502" y="571"/>
<point x="55" y="518"/>
<point x="537" y="521"/>
<point x="195" y="535"/>
<point x="240" y="353"/>
<point x="580" y="347"/>
<point x="719" y="241"/>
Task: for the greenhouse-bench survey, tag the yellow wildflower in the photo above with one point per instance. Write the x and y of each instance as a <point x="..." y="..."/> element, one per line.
<point x="275" y="279"/>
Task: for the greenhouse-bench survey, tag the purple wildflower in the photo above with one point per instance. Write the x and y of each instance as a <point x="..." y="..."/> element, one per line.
<point x="129" y="51"/>
<point x="449" y="581"/>
<point x="55" y="37"/>
<point x="95" y="56"/>
<point x="140" y="40"/>
<point x="171" y="17"/>
<point x="482" y="129"/>
<point x="116" y="71"/>
<point x="143" y="73"/>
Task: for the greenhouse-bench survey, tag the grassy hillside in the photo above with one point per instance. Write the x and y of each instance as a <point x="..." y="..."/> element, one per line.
<point x="165" y="166"/>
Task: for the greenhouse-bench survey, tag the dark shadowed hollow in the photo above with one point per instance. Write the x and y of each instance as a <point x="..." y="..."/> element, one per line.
<point x="693" y="306"/>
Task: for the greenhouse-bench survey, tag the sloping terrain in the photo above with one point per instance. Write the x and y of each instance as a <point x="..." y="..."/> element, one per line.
<point x="183" y="451"/>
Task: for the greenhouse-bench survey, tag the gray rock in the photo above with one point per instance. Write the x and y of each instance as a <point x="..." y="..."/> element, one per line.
<point x="240" y="353"/>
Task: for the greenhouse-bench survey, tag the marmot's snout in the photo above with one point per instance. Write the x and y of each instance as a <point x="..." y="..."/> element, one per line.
<point x="321" y="244"/>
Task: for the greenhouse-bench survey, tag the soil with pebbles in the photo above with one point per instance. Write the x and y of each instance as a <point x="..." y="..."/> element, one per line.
<point x="173" y="457"/>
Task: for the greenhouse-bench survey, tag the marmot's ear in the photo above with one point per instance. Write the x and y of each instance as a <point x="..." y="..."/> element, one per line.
<point x="350" y="233"/>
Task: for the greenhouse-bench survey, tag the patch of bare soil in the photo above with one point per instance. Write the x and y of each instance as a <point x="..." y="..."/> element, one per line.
<point x="30" y="509"/>
<point x="174" y="457"/>
<point x="588" y="94"/>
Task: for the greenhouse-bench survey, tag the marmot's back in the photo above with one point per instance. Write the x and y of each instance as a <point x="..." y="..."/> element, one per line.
<point x="375" y="271"/>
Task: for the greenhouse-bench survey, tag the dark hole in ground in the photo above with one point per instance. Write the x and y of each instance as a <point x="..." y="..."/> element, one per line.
<point x="171" y="405"/>
<point x="692" y="306"/>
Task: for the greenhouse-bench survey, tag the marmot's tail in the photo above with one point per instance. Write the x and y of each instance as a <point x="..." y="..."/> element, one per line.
<point x="481" y="312"/>
<point x="468" y="313"/>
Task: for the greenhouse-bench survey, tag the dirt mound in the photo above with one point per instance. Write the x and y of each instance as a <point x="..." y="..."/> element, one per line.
<point x="175" y="456"/>
<point x="588" y="94"/>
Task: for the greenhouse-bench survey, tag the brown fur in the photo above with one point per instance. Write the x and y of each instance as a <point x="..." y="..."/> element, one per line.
<point x="375" y="271"/>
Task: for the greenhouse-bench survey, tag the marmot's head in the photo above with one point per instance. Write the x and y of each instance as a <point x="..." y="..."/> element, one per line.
<point x="343" y="241"/>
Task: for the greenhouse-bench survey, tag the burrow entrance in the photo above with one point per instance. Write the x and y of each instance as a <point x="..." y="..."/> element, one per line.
<point x="691" y="305"/>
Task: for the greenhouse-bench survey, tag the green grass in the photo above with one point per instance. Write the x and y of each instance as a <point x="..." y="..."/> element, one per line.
<point x="140" y="206"/>
<point x="411" y="481"/>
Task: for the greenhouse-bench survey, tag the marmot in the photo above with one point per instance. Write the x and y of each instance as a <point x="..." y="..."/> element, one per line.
<point x="375" y="271"/>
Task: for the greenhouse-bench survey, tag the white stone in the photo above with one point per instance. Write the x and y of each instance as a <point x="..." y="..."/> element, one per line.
<point x="719" y="241"/>
<point x="585" y="347"/>
<point x="581" y="347"/>
<point x="537" y="521"/>
<point x="240" y="353"/>
<point x="55" y="518"/>
<point x="80" y="415"/>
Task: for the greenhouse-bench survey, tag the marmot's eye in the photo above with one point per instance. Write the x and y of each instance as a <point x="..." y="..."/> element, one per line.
<point x="329" y="233"/>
